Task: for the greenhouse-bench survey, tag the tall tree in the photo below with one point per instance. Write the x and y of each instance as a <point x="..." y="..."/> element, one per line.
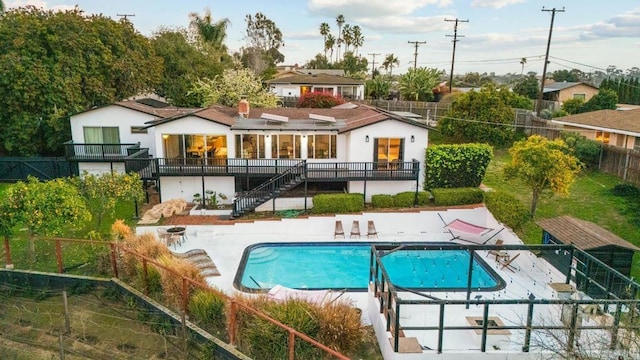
<point x="355" y="67"/>
<point x="329" y="44"/>
<point x="542" y="164"/>
<point x="358" y="39"/>
<point x="325" y="31"/>
<point x="377" y="88"/>
<point x="523" y="61"/>
<point x="527" y="86"/>
<point x="340" y="21"/>
<point x="209" y="32"/>
<point x="264" y="39"/>
<point x="184" y="63"/>
<point x="564" y="75"/>
<point x="227" y="89"/>
<point x="55" y="64"/>
<point x="347" y="36"/>
<point x="389" y="62"/>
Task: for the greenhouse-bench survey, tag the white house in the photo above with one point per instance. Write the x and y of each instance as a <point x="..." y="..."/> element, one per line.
<point x="298" y="85"/>
<point x="256" y="153"/>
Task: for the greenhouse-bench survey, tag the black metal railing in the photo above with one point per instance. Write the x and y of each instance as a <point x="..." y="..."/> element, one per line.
<point x="391" y="304"/>
<point x="270" y="189"/>
<point x="99" y="152"/>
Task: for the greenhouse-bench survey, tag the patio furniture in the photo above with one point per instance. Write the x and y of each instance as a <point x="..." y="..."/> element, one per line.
<point x="338" y="229"/>
<point x="355" y="229"/>
<point x="371" y="229"/>
<point x="164" y="236"/>
<point x="496" y="252"/>
<point x="506" y="263"/>
<point x="472" y="233"/>
<point x="178" y="233"/>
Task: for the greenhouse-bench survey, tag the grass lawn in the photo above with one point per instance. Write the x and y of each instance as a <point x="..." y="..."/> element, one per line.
<point x="590" y="199"/>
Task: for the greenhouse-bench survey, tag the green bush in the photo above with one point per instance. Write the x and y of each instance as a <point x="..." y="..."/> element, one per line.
<point x="457" y="196"/>
<point x="455" y="166"/>
<point x="382" y="201"/>
<point x="207" y="310"/>
<point x="626" y="190"/>
<point x="507" y="209"/>
<point x="587" y="151"/>
<point x="337" y="203"/>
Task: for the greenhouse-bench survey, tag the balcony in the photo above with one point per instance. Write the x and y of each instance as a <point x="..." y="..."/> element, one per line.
<point x="99" y="152"/>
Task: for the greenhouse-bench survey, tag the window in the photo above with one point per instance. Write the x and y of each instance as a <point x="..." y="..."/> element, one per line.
<point x="636" y="145"/>
<point x="195" y="146"/>
<point x="580" y="96"/>
<point x="388" y="151"/>
<point x="321" y="146"/>
<point x="603" y="136"/>
<point x="102" y="135"/>
<point x="285" y="146"/>
<point x="138" y="130"/>
<point x="250" y="146"/>
<point x="323" y="90"/>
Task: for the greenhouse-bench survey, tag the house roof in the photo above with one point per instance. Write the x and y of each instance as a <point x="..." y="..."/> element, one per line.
<point x="218" y="114"/>
<point x="317" y="79"/>
<point x="153" y="108"/>
<point x="583" y="234"/>
<point x="561" y="85"/>
<point x="618" y="121"/>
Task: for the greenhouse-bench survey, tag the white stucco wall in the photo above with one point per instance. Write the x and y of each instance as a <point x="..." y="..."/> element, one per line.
<point x="381" y="187"/>
<point x="357" y="149"/>
<point x="193" y="125"/>
<point x="98" y="168"/>
<point x="286" y="90"/>
<point x="114" y="116"/>
<point x="172" y="187"/>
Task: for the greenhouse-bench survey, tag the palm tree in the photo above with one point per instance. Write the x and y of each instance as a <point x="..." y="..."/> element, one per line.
<point x="340" y="22"/>
<point x="213" y="33"/>
<point x="389" y="61"/>
<point x="324" y="31"/>
<point x="347" y="37"/>
<point x="358" y="39"/>
<point x="522" y="62"/>
<point x="329" y="43"/>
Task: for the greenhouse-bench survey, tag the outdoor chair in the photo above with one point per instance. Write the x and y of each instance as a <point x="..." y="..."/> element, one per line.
<point x="338" y="230"/>
<point x="355" y="229"/>
<point x="506" y="263"/>
<point x="496" y="252"/>
<point x="164" y="236"/>
<point x="371" y="229"/>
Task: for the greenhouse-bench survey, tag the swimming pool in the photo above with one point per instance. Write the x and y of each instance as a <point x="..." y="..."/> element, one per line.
<point x="346" y="266"/>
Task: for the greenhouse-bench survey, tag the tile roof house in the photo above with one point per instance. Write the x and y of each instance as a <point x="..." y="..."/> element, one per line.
<point x="236" y="150"/>
<point x="298" y="85"/>
<point x="620" y="128"/>
<point x="563" y="91"/>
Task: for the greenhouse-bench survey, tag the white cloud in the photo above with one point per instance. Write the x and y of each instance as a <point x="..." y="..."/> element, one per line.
<point x="304" y="35"/>
<point x="370" y="8"/>
<point x="624" y="25"/>
<point x="37" y="3"/>
<point x="403" y="25"/>
<point x="496" y="4"/>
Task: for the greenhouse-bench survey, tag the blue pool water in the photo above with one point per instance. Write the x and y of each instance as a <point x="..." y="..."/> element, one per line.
<point x="346" y="266"/>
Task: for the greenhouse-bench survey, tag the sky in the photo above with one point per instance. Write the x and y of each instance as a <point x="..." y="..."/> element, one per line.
<point x="589" y="35"/>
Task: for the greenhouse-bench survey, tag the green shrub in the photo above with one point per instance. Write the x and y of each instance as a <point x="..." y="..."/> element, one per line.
<point x="382" y="201"/>
<point x="207" y="310"/>
<point x="455" y="166"/>
<point x="587" y="151"/>
<point x="337" y="203"/>
<point x="457" y="196"/>
<point x="507" y="209"/>
<point x="626" y="190"/>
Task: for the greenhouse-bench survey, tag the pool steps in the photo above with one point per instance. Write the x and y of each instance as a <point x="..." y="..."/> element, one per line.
<point x="262" y="255"/>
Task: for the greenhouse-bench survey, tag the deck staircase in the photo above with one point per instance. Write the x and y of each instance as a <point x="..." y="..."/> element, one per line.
<point x="270" y="189"/>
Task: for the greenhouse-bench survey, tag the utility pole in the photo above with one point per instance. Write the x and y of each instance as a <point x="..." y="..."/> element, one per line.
<point x="373" y="64"/>
<point x="415" y="54"/>
<point x="125" y="16"/>
<point x="546" y="58"/>
<point x="454" y="41"/>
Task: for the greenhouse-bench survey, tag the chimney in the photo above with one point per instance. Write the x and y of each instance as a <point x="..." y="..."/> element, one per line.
<point x="243" y="108"/>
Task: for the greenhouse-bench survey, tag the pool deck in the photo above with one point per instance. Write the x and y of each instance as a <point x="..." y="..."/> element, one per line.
<point x="225" y="245"/>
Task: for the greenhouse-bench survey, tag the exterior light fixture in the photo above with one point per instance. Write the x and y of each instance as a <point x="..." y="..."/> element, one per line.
<point x="165" y="136"/>
<point x="413" y="138"/>
<point x="366" y="138"/>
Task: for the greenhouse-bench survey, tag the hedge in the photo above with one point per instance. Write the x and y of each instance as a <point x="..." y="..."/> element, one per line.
<point x="382" y="201"/>
<point x="457" y="196"/>
<point x="507" y="209"/>
<point x="337" y="203"/>
<point x="456" y="166"/>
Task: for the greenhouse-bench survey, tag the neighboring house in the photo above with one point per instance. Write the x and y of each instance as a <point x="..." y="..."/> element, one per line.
<point x="614" y="127"/>
<point x="563" y="91"/>
<point x="252" y="154"/>
<point x="298" y="85"/>
<point x="300" y="71"/>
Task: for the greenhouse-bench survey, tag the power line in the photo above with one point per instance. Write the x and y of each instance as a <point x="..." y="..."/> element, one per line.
<point x="454" y="41"/>
<point x="415" y="54"/>
<point x="546" y="57"/>
<point x="373" y="64"/>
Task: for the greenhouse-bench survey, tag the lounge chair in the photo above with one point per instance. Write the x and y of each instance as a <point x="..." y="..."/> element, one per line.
<point x="506" y="263"/>
<point x="338" y="231"/>
<point x="474" y="234"/>
<point x="496" y="252"/>
<point x="371" y="229"/>
<point x="355" y="229"/>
